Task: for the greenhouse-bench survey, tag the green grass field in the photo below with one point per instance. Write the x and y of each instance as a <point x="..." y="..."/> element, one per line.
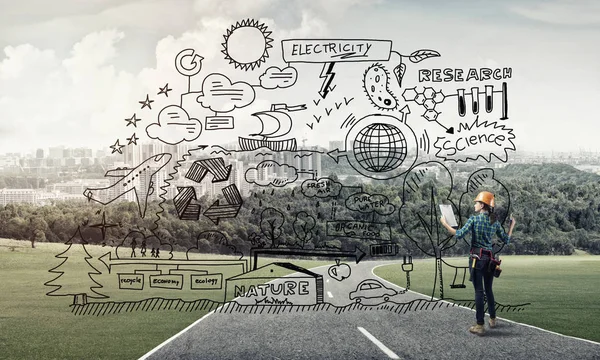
<point x="563" y="290"/>
<point x="36" y="326"/>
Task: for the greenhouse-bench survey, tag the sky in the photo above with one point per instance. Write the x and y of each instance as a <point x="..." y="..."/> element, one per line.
<point x="72" y="72"/>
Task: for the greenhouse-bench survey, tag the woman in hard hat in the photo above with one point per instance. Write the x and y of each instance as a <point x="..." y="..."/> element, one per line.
<point x="482" y="228"/>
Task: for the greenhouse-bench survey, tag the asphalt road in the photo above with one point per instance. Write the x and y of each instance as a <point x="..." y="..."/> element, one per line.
<point x="440" y="333"/>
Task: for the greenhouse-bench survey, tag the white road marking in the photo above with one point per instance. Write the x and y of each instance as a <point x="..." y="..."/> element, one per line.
<point x="329" y="294"/>
<point x="473" y="310"/>
<point x="149" y="353"/>
<point x="385" y="349"/>
<point x="176" y="335"/>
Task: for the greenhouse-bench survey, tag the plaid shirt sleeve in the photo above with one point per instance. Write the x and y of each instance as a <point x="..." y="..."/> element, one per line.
<point x="501" y="233"/>
<point x="460" y="233"/>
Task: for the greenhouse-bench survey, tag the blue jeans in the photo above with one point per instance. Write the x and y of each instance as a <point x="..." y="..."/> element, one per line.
<point x="482" y="281"/>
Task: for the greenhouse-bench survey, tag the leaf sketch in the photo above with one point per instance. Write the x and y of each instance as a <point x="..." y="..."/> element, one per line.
<point x="423" y="54"/>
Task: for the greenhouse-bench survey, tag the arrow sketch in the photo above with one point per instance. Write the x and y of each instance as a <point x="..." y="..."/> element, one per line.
<point x="186" y="203"/>
<point x="218" y="211"/>
<point x="215" y="166"/>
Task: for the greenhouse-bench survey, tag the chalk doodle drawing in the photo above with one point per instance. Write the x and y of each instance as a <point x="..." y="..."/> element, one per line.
<point x="264" y="186"/>
<point x="138" y="180"/>
<point x="117" y="148"/>
<point x="275" y="77"/>
<point x="339" y="272"/>
<point x="433" y="241"/>
<point x="164" y="90"/>
<point x="103" y="225"/>
<point x="75" y="273"/>
<point x="246" y="44"/>
<point x="132" y="139"/>
<point x="379" y="147"/>
<point x="174" y="126"/>
<point x="146" y="103"/>
<point x="286" y="174"/>
<point x="274" y="124"/>
<point x="376" y="85"/>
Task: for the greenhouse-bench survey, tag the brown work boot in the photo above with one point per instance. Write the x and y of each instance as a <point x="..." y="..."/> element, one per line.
<point x="492" y="323"/>
<point x="477" y="329"/>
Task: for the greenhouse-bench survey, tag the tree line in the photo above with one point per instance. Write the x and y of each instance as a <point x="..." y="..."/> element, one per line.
<point x="557" y="208"/>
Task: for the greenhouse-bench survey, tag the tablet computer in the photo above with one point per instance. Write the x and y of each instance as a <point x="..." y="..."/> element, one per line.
<point x="448" y="213"/>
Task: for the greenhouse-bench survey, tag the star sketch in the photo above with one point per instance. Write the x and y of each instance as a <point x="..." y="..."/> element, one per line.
<point x="132" y="121"/>
<point x="103" y="226"/>
<point x="146" y="102"/>
<point x="132" y="140"/>
<point x="117" y="147"/>
<point x="164" y="90"/>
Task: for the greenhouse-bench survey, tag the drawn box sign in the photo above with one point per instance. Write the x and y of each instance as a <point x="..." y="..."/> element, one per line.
<point x="262" y="287"/>
<point x="335" y="50"/>
<point x="131" y="281"/>
<point x="207" y="282"/>
<point x="359" y="230"/>
<point x="167" y="281"/>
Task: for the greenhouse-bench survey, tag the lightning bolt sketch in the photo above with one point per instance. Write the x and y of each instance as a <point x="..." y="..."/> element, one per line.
<point x="327" y="74"/>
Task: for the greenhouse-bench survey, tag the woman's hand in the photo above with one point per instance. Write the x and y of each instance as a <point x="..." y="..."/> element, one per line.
<point x="448" y="227"/>
<point x="512" y="225"/>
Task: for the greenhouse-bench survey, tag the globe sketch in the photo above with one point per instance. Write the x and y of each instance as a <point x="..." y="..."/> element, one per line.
<point x="380" y="147"/>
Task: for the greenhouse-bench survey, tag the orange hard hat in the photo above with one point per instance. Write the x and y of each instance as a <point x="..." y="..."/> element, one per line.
<point x="486" y="197"/>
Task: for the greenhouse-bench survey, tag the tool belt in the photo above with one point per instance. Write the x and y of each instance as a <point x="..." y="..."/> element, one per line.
<point x="483" y="255"/>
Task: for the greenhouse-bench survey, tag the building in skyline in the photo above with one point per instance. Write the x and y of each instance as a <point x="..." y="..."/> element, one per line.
<point x="56" y="152"/>
<point x="8" y="196"/>
<point x="336" y="145"/>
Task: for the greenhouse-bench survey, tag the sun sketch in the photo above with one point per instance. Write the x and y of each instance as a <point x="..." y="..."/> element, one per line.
<point x="246" y="44"/>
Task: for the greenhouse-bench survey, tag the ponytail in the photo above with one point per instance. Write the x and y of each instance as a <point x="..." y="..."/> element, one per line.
<point x="490" y="211"/>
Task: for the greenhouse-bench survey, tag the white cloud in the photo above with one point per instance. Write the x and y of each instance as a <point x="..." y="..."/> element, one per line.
<point x="82" y="99"/>
<point x="56" y="101"/>
<point x="338" y="7"/>
<point x="91" y="53"/>
<point x="311" y="25"/>
<point x="565" y="12"/>
<point x="25" y="58"/>
<point x="233" y="8"/>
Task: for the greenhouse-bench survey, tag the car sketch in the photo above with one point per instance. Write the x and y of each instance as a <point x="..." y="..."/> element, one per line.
<point x="370" y="289"/>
